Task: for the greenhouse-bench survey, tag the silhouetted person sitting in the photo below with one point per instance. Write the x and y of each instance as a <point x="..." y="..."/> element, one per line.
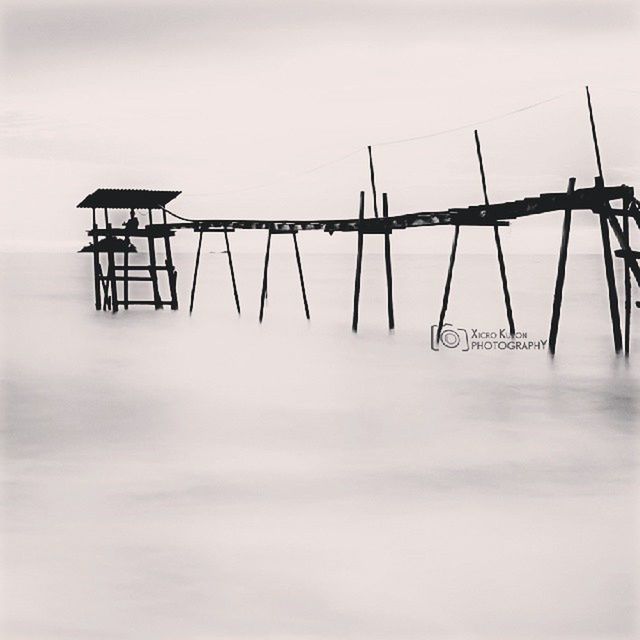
<point x="132" y="223"/>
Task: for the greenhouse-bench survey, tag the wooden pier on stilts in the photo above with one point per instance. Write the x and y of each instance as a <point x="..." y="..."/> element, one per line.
<point x="113" y="271"/>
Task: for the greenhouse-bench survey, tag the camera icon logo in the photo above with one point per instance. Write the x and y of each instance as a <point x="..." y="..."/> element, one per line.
<point x="450" y="337"/>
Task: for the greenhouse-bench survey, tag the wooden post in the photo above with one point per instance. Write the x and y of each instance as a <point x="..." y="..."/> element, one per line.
<point x="373" y="183"/>
<point x="627" y="284"/>
<point x="171" y="271"/>
<point x="125" y="272"/>
<point x="496" y="235"/>
<point x="96" y="263"/>
<point x="387" y="261"/>
<point x="562" y="262"/>
<point x="447" y="285"/>
<point x="195" y="273"/>
<point x="594" y="134"/>
<point x="606" y="243"/>
<point x="264" y="276"/>
<point x="356" y="289"/>
<point x="233" y="275"/>
<point x="611" y="283"/>
<point x="112" y="272"/>
<point x="153" y="267"/>
<point x="304" y="292"/>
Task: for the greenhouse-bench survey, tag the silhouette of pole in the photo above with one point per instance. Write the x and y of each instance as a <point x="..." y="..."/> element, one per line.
<point x="447" y="285"/>
<point x="594" y="134"/>
<point x="304" y="292"/>
<point x="233" y="275"/>
<point x="614" y="308"/>
<point x="373" y="182"/>
<point x="562" y="263"/>
<point x="387" y="262"/>
<point x="356" y="288"/>
<point x="264" y="276"/>
<point x="195" y="273"/>
<point x="627" y="286"/>
<point x="496" y="235"/>
<point x="97" y="277"/>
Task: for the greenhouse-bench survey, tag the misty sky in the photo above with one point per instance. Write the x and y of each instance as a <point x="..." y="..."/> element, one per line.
<point x="214" y="98"/>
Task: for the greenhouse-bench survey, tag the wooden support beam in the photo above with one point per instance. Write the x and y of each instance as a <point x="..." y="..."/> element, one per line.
<point x="96" y="264"/>
<point x="627" y="290"/>
<point x="356" y="288"/>
<point x="594" y="134"/>
<point x="125" y="277"/>
<point x="447" y="285"/>
<point x="263" y="296"/>
<point x="152" y="266"/>
<point x="373" y="182"/>
<point x="195" y="273"/>
<point x="496" y="236"/>
<point x="562" y="262"/>
<point x="304" y="292"/>
<point x="625" y="251"/>
<point x="171" y="271"/>
<point x="112" y="277"/>
<point x="231" y="271"/>
<point x="611" y="283"/>
<point x="387" y="262"/>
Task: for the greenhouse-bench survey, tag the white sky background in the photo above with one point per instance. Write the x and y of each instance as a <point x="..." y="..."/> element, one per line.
<point x="212" y="97"/>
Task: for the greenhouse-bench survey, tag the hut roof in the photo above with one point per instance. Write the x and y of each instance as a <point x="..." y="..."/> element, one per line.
<point x="127" y="199"/>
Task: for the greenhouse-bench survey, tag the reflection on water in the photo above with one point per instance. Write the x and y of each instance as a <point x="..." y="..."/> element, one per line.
<point x="169" y="476"/>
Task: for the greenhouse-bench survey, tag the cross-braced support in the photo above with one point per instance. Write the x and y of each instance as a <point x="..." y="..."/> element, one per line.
<point x="265" y="274"/>
<point x="196" y="267"/>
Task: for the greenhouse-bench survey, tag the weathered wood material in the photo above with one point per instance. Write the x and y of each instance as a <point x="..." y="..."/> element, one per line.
<point x="356" y="288"/>
<point x="263" y="296"/>
<point x="232" y="272"/>
<point x="447" y="284"/>
<point x="373" y="183"/>
<point x="611" y="283"/>
<point x="111" y="275"/>
<point x="627" y="289"/>
<point x="594" y="134"/>
<point x="125" y="277"/>
<point x="96" y="264"/>
<point x="153" y="272"/>
<point x="496" y="236"/>
<point x="387" y="262"/>
<point x="172" y="273"/>
<point x="195" y="273"/>
<point x="299" y="262"/>
<point x="560" y="275"/>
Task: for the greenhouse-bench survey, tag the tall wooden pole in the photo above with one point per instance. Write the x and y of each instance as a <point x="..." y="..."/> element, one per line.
<point x="112" y="270"/>
<point x="264" y="276"/>
<point x="562" y="263"/>
<point x="96" y="263"/>
<point x="447" y="285"/>
<point x="195" y="273"/>
<point x="387" y="261"/>
<point x="304" y="291"/>
<point x="153" y="265"/>
<point x="356" y="288"/>
<point x="233" y="275"/>
<point x="496" y="235"/>
<point x="594" y="134"/>
<point x="614" y="308"/>
<point x="627" y="285"/>
<point x="373" y="182"/>
<point x="172" y="274"/>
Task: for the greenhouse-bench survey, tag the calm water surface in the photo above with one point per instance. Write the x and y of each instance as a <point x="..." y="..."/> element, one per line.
<point x="206" y="477"/>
